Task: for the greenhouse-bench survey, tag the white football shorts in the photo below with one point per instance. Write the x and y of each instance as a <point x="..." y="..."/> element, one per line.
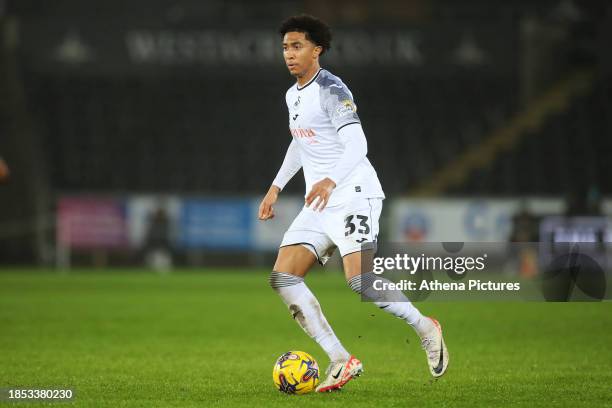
<point x="350" y="227"/>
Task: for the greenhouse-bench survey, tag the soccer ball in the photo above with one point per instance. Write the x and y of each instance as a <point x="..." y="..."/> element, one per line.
<point x="296" y="372"/>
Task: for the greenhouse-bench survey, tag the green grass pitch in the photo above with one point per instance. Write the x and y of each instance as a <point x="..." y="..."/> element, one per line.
<point x="129" y="338"/>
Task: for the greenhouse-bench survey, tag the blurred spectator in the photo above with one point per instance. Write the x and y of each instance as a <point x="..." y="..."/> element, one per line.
<point x="594" y="200"/>
<point x="584" y="200"/>
<point x="4" y="170"/>
<point x="525" y="226"/>
<point x="158" y="251"/>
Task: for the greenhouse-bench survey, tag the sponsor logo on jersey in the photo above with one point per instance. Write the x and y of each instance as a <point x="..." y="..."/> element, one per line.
<point x="307" y="134"/>
<point x="299" y="132"/>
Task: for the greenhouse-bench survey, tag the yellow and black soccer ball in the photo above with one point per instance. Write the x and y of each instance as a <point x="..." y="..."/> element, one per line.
<point x="296" y="372"/>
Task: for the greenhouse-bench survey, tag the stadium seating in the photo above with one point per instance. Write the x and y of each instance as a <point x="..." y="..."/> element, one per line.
<point x="568" y="152"/>
<point x="222" y="135"/>
<point x="229" y="136"/>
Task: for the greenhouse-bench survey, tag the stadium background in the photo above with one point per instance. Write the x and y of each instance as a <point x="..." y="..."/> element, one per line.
<point x="141" y="135"/>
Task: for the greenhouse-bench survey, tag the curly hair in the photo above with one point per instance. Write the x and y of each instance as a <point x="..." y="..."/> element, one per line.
<point x="316" y="31"/>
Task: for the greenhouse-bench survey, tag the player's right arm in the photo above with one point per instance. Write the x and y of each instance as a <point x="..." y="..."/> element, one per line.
<point x="290" y="166"/>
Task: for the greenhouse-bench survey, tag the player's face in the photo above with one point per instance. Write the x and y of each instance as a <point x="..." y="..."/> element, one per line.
<point x="300" y="54"/>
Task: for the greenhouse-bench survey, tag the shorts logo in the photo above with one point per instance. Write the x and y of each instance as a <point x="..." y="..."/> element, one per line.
<point x="358" y="189"/>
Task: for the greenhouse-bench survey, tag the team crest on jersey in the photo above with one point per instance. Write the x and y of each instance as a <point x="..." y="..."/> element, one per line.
<point x="346" y="107"/>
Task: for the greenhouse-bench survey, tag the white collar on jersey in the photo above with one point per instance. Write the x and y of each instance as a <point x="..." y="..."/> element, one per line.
<point x="309" y="82"/>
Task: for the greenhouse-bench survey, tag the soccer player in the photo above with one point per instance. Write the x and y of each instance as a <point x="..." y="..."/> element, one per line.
<point x="342" y="205"/>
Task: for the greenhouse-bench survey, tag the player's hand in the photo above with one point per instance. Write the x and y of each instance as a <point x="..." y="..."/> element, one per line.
<point x="266" y="211"/>
<point x="321" y="191"/>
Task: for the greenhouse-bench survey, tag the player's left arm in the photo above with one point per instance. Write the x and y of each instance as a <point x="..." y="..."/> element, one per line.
<point x="337" y="102"/>
<point x="355" y="150"/>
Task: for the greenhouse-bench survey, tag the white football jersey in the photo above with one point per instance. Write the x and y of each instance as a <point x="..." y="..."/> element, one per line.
<point x="317" y="111"/>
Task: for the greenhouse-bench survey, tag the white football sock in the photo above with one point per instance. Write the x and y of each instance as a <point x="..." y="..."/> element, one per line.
<point x="305" y="309"/>
<point x="394" y="302"/>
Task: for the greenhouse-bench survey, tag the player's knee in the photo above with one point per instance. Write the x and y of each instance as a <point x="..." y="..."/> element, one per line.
<point x="295" y="260"/>
<point x="279" y="280"/>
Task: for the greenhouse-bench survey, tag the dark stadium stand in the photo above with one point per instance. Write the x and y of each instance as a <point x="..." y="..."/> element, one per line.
<point x="222" y="136"/>
<point x="570" y="151"/>
<point x="132" y="127"/>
